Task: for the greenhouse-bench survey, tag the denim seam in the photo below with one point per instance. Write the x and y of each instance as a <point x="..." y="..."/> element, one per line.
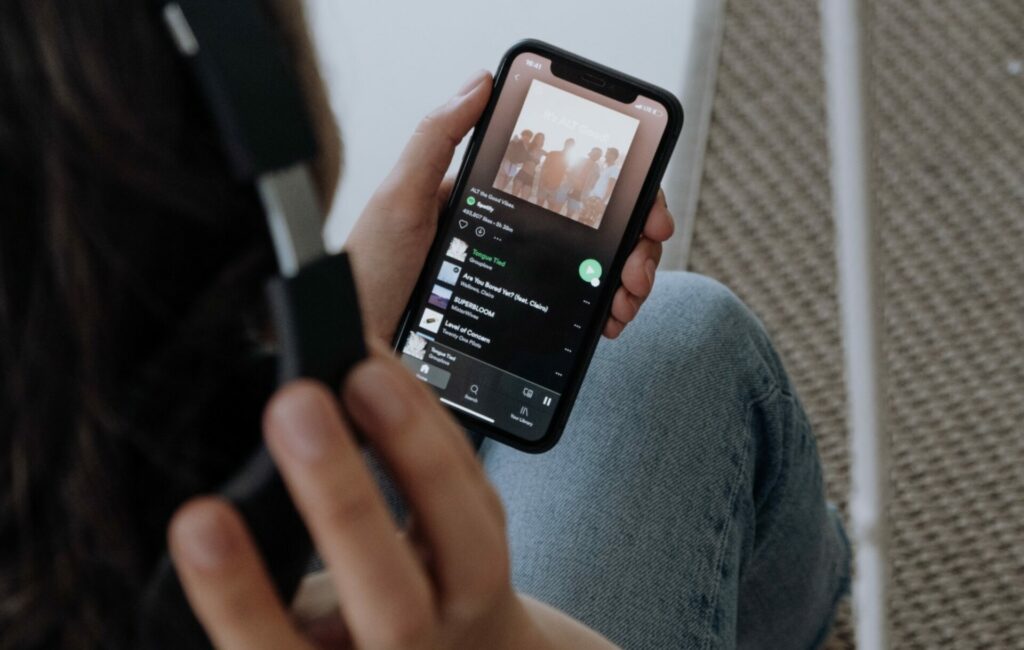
<point x="842" y="585"/>
<point x="827" y="627"/>
<point x="780" y="510"/>
<point x="769" y="394"/>
<point x="727" y="530"/>
<point x="769" y="373"/>
<point x="842" y="588"/>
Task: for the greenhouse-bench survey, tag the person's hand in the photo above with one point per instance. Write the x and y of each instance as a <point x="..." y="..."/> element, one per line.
<point x="444" y="583"/>
<point x="390" y="241"/>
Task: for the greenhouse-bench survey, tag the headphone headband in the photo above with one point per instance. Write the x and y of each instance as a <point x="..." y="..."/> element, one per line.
<point x="242" y="65"/>
<point x="242" y="68"/>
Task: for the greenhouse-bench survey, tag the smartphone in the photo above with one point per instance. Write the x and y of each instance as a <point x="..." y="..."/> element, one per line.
<point x="550" y="199"/>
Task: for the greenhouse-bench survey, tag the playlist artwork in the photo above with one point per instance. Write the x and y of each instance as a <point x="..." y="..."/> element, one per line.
<point x="566" y="153"/>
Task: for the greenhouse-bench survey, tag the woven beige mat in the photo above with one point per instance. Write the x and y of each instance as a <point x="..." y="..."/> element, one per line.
<point x="948" y="88"/>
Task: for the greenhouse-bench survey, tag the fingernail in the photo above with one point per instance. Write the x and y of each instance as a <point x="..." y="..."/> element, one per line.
<point x="375" y="387"/>
<point x="203" y="539"/>
<point x="475" y="80"/>
<point x="651" y="266"/>
<point x="301" y="416"/>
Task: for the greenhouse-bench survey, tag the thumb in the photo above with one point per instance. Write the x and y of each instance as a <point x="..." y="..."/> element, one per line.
<point x="423" y="163"/>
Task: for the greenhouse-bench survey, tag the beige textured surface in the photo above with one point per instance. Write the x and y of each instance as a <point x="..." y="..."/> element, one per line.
<point x="949" y="129"/>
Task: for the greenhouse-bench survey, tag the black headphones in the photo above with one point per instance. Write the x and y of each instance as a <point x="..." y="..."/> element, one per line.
<point x="239" y="60"/>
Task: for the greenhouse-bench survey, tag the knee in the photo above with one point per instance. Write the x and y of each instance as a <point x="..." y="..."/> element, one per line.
<point x="702" y="310"/>
<point x="693" y="330"/>
<point x="690" y="314"/>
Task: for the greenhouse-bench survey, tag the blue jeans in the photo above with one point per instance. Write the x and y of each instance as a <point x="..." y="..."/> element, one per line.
<point x="684" y="506"/>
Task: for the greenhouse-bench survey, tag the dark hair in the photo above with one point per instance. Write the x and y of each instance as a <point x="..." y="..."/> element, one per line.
<point x="131" y="270"/>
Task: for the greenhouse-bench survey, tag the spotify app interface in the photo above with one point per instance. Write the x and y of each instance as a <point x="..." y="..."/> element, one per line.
<point x="523" y="260"/>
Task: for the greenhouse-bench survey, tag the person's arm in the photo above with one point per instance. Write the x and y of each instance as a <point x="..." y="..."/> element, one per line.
<point x="611" y="188"/>
<point x="446" y="583"/>
<point x="592" y="176"/>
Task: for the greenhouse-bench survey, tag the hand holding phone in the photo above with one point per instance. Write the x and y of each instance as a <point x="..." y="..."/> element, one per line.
<point x="551" y="199"/>
<point x="391" y="238"/>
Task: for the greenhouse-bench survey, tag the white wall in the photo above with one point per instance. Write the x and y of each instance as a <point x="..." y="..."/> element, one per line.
<point x="388" y="63"/>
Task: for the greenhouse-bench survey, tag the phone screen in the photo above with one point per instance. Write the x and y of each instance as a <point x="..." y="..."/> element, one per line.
<point x="514" y="283"/>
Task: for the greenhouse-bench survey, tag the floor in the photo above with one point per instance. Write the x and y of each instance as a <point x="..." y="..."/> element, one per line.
<point x="948" y="88"/>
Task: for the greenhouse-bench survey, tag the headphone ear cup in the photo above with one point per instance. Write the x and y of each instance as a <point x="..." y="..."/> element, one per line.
<point x="316" y="313"/>
<point x="320" y="336"/>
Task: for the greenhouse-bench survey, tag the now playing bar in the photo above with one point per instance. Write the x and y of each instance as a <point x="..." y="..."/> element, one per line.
<point x="482" y="391"/>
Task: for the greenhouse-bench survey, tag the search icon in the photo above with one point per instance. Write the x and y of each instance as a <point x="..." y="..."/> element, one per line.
<point x="474" y="389"/>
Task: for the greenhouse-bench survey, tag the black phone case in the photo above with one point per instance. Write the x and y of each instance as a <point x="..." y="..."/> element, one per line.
<point x="645" y="200"/>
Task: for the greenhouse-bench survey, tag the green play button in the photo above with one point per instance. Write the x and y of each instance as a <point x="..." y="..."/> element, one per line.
<point x="590" y="272"/>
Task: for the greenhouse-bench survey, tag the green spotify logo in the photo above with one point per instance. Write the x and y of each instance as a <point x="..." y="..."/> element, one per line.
<point x="590" y="272"/>
<point x="470" y="201"/>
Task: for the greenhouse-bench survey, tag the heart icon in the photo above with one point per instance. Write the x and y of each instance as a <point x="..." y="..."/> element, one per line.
<point x="463" y="223"/>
